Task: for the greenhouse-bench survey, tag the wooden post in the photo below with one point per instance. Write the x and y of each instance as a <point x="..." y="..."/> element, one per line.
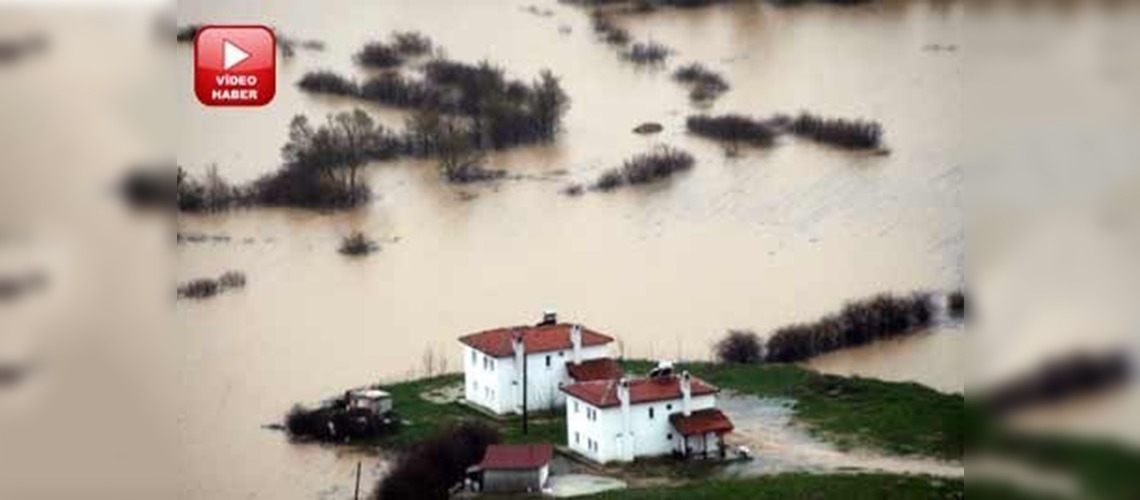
<point x="356" y="492"/>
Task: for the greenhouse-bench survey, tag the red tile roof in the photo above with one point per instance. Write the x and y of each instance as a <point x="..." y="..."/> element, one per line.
<point x="701" y="421"/>
<point x="594" y="369"/>
<point x="516" y="456"/>
<point x="497" y="342"/>
<point x="603" y="393"/>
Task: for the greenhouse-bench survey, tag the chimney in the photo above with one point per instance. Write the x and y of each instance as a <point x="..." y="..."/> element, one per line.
<point x="519" y="349"/>
<point x="576" y="342"/>
<point x="626" y="440"/>
<point x="686" y="394"/>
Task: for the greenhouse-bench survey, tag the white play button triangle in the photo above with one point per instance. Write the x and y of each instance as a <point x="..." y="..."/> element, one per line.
<point x="232" y="55"/>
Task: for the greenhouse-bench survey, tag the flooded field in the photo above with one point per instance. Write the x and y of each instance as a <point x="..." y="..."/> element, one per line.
<point x="756" y="241"/>
<point x="775" y="236"/>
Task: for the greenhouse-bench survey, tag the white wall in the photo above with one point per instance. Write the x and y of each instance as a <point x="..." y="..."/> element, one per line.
<point x="499" y="388"/>
<point x="651" y="436"/>
<point x="482" y="377"/>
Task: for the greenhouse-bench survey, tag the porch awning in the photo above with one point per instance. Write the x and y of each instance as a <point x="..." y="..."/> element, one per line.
<point x="701" y="422"/>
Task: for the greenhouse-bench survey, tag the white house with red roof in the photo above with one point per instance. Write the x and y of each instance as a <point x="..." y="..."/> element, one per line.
<point x="554" y="354"/>
<point x="622" y="419"/>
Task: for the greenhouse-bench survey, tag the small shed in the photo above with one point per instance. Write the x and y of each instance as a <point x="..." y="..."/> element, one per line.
<point x="701" y="432"/>
<point x="516" y="468"/>
<point x="374" y="400"/>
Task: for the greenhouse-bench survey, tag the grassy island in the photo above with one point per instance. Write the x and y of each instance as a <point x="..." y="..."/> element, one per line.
<point x="904" y="418"/>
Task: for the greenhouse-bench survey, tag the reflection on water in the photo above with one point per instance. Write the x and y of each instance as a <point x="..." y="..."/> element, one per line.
<point x="772" y="237"/>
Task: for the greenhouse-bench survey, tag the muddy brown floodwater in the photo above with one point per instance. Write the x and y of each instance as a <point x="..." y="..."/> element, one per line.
<point x="772" y="237"/>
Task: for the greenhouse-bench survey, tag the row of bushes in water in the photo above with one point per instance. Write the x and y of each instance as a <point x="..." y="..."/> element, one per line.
<point x="286" y="45"/>
<point x="648" y="52"/>
<point x="734" y="128"/>
<point x="851" y="134"/>
<point x="321" y="166"/>
<point x="858" y="323"/>
<point x="659" y="163"/>
<point x="208" y="287"/>
<point x="1059" y="379"/>
<point x="320" y="169"/>
<point x="499" y="112"/>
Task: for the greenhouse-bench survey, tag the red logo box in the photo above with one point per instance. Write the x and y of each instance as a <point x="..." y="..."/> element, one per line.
<point x="235" y="65"/>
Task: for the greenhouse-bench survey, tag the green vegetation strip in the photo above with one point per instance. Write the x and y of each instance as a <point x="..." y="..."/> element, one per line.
<point x="1103" y="468"/>
<point x="904" y="418"/>
<point x="426" y="418"/>
<point x="845" y="486"/>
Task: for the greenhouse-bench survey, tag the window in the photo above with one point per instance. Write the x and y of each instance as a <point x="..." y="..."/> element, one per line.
<point x="668" y="407"/>
<point x="475" y="384"/>
<point x="650" y="413"/>
<point x="669" y="436"/>
<point x="575" y="407"/>
<point x="577" y="437"/>
<point x="474" y="357"/>
<point x="561" y="354"/>
<point x="548" y="361"/>
<point x="492" y="365"/>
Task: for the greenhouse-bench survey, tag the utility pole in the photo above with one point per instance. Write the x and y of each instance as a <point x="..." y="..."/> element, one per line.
<point x="356" y="492"/>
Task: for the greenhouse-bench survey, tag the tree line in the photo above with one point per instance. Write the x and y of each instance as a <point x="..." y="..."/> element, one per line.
<point x="858" y="323"/>
<point x="736" y="129"/>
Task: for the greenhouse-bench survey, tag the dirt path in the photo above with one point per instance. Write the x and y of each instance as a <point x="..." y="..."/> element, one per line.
<point x="778" y="444"/>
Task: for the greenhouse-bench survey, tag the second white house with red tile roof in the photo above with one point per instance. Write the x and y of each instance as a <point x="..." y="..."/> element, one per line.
<point x="665" y="413"/>
<point x="554" y="354"/>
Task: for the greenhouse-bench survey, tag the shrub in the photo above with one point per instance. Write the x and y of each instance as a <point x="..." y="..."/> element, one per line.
<point x="327" y="82"/>
<point x="732" y="128"/>
<point x="199" y="289"/>
<point x="858" y="323"/>
<point x="202" y="288"/>
<point x="657" y="164"/>
<point x="610" y="32"/>
<point x="432" y="468"/>
<point x="704" y="84"/>
<point x="232" y="279"/>
<point x="379" y="55"/>
<point x="610" y="179"/>
<point x="357" y="244"/>
<point x="149" y="187"/>
<point x="851" y="134"/>
<point x="647" y="53"/>
<point x="411" y="43"/>
<point x="395" y="90"/>
<point x="301" y="421"/>
<point x="739" y="346"/>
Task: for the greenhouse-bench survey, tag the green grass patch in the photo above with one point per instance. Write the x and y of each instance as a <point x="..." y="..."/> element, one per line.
<point x="808" y="486"/>
<point x="426" y="418"/>
<point x="904" y="418"/>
